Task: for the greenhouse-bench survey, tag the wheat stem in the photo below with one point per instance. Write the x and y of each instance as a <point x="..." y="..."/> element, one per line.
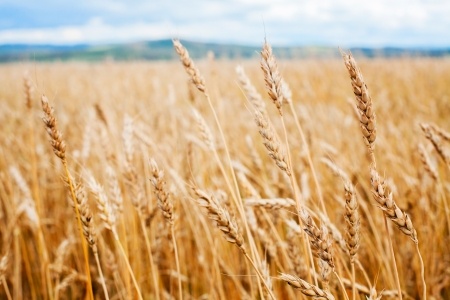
<point x="177" y="262"/>
<point x="102" y="278"/>
<point x="127" y="262"/>
<point x="5" y="284"/>
<point x="306" y="241"/>
<point x="341" y="285"/>
<point x="353" y="281"/>
<point x="394" y="263"/>
<point x="422" y="273"/>
<point x="153" y="268"/>
<point x="268" y="289"/>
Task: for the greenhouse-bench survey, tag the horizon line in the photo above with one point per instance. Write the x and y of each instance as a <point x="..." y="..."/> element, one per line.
<point x="225" y="43"/>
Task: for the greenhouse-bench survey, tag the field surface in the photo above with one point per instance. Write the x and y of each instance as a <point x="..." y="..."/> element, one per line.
<point x="161" y="189"/>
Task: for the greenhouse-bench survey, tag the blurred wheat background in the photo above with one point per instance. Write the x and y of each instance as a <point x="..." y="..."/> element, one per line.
<point x="160" y="205"/>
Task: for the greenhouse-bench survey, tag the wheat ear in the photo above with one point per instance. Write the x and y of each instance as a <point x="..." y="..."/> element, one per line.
<point x="383" y="196"/>
<point x="109" y="220"/>
<point x="436" y="140"/>
<point x="234" y="188"/>
<point x="228" y="225"/>
<point x="58" y="145"/>
<point x="59" y="148"/>
<point x="306" y="288"/>
<point x="320" y="240"/>
<point x="430" y="168"/>
<point x="250" y="91"/>
<point x="272" y="76"/>
<point x="368" y="128"/>
<point x="205" y="131"/>
<point x="352" y="221"/>
<point x="272" y="143"/>
<point x="275" y="203"/>
<point x="363" y="103"/>
<point x="166" y="206"/>
<point x="89" y="231"/>
<point x="189" y="66"/>
<point x="445" y="135"/>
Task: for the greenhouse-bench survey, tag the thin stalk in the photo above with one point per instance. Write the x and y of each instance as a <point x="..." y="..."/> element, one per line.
<point x="353" y="281"/>
<point x="102" y="278"/>
<point x="199" y="82"/>
<point x="269" y="291"/>
<point x="177" y="261"/>
<point x="37" y="200"/>
<point x="122" y="251"/>
<point x="80" y="229"/>
<point x="5" y="284"/>
<point x="125" y="276"/>
<point x="210" y="241"/>
<point x="26" y="264"/>
<point x="444" y="199"/>
<point x="366" y="277"/>
<point x="341" y="284"/>
<point x="237" y="197"/>
<point x="150" y="258"/>
<point x="422" y="273"/>
<point x="308" y="156"/>
<point x="397" y="278"/>
<point x="17" y="292"/>
<point x="306" y="243"/>
<point x="120" y="286"/>
<point x="57" y="289"/>
<point x="43" y="247"/>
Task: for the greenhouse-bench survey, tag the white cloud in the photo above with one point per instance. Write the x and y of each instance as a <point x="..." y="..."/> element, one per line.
<point x="332" y="22"/>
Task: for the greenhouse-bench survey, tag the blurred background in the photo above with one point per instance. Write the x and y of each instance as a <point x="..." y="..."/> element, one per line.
<point x="139" y="29"/>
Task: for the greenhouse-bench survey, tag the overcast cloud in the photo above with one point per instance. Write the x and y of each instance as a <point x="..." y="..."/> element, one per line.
<point x="416" y="23"/>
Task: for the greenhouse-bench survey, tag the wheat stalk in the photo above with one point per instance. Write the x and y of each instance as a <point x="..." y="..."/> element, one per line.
<point x="59" y="148"/>
<point x="108" y="216"/>
<point x="4" y="262"/>
<point x="166" y="206"/>
<point x="89" y="230"/>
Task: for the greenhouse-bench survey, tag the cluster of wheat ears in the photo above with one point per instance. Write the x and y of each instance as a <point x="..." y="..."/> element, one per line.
<point x="159" y="189"/>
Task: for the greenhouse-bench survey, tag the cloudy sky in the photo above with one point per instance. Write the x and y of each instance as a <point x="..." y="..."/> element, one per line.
<point x="406" y="23"/>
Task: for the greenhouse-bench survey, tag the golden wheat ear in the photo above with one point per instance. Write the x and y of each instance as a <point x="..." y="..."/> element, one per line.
<point x="363" y="102"/>
<point x="189" y="66"/>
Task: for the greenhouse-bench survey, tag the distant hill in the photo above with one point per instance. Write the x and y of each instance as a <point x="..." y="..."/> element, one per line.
<point x="163" y="50"/>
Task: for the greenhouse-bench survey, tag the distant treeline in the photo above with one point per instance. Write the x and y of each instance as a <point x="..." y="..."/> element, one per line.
<point x="162" y="50"/>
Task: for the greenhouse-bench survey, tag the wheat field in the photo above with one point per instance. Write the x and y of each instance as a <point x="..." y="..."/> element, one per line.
<point x="313" y="179"/>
